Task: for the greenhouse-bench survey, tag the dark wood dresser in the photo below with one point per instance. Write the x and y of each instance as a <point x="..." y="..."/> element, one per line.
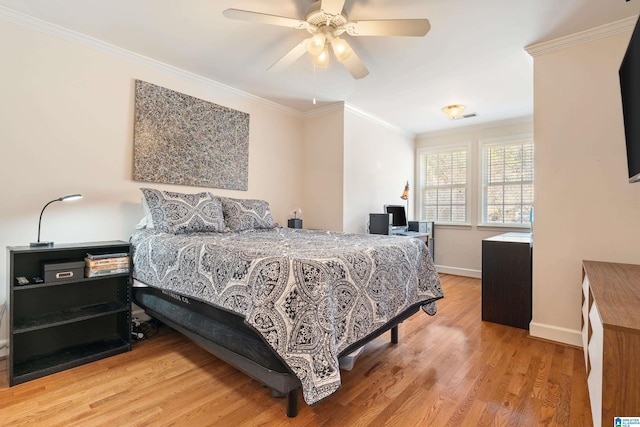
<point x="506" y="279"/>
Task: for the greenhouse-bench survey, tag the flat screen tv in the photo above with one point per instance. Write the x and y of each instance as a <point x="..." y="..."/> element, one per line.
<point x="630" y="92"/>
<point x="399" y="216"/>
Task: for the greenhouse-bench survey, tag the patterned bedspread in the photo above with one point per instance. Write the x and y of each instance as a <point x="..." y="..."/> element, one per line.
<point x="309" y="293"/>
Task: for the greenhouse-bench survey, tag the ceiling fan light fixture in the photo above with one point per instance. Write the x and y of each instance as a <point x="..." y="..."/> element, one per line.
<point x="453" y="111"/>
<point x="315" y="45"/>
<point x="322" y="60"/>
<point x="341" y="48"/>
<point x="325" y="21"/>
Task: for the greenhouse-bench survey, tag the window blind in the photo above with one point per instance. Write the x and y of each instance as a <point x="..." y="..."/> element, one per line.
<point x="444" y="186"/>
<point x="507" y="182"/>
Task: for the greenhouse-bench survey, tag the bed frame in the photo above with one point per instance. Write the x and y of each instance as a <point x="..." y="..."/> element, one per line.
<point x="225" y="335"/>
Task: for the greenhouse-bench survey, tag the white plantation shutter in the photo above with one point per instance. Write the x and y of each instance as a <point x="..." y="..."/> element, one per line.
<point x="444" y="185"/>
<point x="507" y="182"/>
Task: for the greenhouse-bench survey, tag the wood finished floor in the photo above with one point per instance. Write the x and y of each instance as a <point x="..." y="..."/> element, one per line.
<point x="448" y="370"/>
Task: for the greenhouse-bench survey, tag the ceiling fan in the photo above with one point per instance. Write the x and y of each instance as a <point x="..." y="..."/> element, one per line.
<point x="326" y="21"/>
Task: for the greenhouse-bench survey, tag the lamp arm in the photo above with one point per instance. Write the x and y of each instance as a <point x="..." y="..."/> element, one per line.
<point x="40" y="220"/>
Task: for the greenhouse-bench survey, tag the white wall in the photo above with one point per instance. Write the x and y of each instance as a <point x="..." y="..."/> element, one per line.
<point x="66" y="126"/>
<point x="458" y="249"/>
<point x="322" y="176"/>
<point x="353" y="165"/>
<point x="378" y="161"/>
<point x="585" y="207"/>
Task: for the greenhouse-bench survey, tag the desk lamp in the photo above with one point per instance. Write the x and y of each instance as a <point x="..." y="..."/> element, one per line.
<point x="61" y="199"/>
<point x="405" y="196"/>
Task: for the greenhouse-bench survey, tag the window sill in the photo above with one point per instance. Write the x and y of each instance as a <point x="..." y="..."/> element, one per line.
<point x="504" y="227"/>
<point x="453" y="226"/>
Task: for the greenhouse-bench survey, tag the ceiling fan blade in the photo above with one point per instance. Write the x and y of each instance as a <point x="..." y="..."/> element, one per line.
<point x="332" y="7"/>
<point x="290" y="57"/>
<point x="246" y="15"/>
<point x="354" y="65"/>
<point x="389" y="27"/>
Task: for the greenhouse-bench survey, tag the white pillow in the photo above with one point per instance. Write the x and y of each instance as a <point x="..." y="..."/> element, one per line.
<point x="147" y="214"/>
<point x="142" y="224"/>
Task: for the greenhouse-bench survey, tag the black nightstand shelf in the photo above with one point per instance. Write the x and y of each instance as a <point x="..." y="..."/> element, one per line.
<point x="58" y="325"/>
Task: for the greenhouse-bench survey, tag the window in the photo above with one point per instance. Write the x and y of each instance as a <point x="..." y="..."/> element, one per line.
<point x="444" y="184"/>
<point x="507" y="181"/>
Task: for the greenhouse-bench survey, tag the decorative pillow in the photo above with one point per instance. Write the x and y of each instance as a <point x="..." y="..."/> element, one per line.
<point x="179" y="213"/>
<point x="246" y="214"/>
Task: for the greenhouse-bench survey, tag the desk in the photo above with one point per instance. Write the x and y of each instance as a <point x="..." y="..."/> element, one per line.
<point x="380" y="223"/>
<point x="506" y="279"/>
<point x="427" y="238"/>
<point x="422" y="236"/>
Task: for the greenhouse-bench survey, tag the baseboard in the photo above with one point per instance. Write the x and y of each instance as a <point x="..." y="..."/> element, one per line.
<point x="457" y="271"/>
<point x="556" y="333"/>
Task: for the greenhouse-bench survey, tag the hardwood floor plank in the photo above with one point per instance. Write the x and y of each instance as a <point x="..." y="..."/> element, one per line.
<point x="451" y="369"/>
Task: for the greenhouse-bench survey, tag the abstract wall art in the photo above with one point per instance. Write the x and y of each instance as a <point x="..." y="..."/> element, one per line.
<point x="179" y="139"/>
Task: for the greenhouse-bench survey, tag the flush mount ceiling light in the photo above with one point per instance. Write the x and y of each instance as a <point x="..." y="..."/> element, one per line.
<point x="453" y="111"/>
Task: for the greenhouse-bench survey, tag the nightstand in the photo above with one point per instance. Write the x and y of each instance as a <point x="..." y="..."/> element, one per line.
<point x="68" y="320"/>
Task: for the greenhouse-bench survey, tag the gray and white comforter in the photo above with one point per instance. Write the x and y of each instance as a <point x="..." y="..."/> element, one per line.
<point x="309" y="293"/>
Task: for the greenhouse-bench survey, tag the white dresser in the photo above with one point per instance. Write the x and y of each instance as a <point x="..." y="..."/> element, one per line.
<point x="611" y="339"/>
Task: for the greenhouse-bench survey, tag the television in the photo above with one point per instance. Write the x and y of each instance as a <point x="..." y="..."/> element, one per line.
<point x="630" y="93"/>
<point x="398" y="215"/>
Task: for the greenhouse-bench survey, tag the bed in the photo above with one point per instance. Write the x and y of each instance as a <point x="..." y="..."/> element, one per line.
<point x="282" y="305"/>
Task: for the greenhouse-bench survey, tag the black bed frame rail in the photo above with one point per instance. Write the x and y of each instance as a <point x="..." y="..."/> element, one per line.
<point x="284" y="384"/>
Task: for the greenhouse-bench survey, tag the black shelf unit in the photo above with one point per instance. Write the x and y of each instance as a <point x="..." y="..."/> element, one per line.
<point x="58" y="325"/>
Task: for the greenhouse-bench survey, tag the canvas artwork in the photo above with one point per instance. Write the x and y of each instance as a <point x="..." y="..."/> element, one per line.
<point x="179" y="139"/>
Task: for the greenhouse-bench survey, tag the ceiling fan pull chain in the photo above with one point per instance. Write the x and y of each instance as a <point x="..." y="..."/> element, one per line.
<point x="314" y="84"/>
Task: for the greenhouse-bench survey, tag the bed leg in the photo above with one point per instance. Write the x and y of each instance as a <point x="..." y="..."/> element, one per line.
<point x="394" y="335"/>
<point x="292" y="403"/>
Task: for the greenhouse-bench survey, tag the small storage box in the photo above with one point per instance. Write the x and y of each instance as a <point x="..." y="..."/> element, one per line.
<point x="61" y="271"/>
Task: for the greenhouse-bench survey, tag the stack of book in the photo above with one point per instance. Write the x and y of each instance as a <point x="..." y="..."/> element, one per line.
<point x="106" y="264"/>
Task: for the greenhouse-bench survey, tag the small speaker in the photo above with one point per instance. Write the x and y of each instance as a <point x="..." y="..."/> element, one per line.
<point x="379" y="223"/>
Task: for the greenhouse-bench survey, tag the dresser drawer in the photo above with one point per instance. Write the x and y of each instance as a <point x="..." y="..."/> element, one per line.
<point x="595" y="348"/>
<point x="586" y="305"/>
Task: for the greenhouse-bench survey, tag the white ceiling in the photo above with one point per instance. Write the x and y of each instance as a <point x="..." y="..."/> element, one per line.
<point x="473" y="55"/>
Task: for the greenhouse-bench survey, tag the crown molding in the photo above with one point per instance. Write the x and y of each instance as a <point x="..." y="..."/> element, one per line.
<point x="585" y="36"/>
<point x="62" y="33"/>
<point x="371" y="117"/>
<point x="330" y="108"/>
<point x="476" y="127"/>
<point x="342" y="106"/>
